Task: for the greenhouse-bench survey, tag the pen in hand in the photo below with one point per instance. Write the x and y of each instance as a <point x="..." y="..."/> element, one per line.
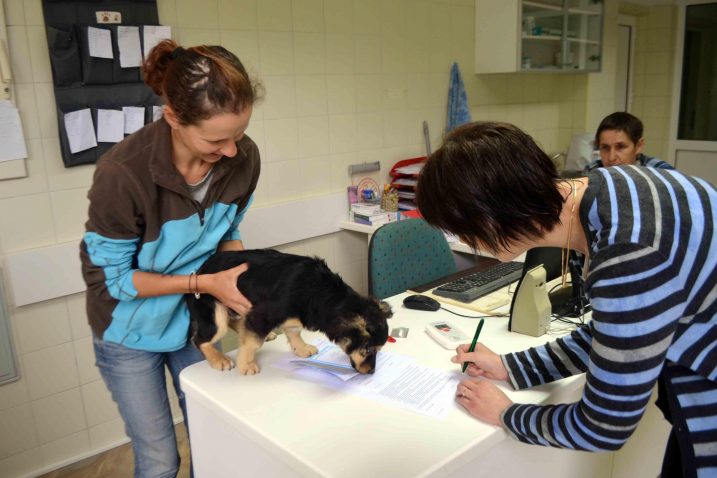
<point x="473" y="344"/>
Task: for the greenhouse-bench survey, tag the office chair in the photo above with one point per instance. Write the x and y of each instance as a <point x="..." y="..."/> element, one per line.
<point x="406" y="254"/>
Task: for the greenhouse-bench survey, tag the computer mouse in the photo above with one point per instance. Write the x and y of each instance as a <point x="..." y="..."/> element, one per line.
<point x="421" y="302"/>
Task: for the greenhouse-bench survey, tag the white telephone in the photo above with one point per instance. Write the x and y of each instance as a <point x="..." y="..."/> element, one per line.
<point x="530" y="313"/>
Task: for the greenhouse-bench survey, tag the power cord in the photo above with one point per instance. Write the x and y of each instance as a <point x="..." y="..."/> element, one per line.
<point x="474" y="316"/>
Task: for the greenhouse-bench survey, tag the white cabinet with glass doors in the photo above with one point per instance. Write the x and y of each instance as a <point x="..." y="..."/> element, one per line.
<point x="545" y="35"/>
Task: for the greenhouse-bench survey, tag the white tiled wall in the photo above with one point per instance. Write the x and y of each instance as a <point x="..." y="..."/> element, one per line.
<point x="346" y="81"/>
<point x="654" y="58"/>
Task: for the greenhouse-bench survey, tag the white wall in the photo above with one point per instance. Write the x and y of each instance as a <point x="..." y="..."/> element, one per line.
<point x="347" y="81"/>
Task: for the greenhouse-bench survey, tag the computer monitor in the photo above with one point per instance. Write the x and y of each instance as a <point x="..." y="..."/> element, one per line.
<point x="568" y="302"/>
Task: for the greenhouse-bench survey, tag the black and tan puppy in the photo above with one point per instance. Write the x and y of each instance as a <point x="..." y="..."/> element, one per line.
<point x="288" y="292"/>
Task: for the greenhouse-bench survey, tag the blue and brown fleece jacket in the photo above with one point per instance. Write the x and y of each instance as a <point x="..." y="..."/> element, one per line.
<point x="143" y="218"/>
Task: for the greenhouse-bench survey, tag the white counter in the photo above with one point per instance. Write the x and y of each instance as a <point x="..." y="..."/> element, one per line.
<point x="276" y="424"/>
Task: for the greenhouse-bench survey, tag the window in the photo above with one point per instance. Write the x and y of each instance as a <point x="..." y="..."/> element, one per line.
<point x="698" y="98"/>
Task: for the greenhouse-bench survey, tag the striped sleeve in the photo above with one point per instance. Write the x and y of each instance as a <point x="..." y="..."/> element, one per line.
<point x="561" y="358"/>
<point x="657" y="163"/>
<point x="636" y="307"/>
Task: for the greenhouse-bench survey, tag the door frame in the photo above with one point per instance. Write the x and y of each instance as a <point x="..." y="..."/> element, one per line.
<point x="629" y="21"/>
<point x="675" y="144"/>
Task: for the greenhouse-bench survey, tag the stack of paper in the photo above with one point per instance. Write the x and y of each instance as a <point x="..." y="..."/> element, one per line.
<point x="397" y="380"/>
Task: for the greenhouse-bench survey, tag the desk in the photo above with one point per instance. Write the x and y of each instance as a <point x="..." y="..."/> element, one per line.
<point x="277" y="425"/>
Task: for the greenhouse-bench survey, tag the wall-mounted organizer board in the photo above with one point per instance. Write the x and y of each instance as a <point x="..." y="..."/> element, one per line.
<point x="94" y="47"/>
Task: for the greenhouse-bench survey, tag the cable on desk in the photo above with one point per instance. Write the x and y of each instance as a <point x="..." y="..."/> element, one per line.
<point x="475" y="316"/>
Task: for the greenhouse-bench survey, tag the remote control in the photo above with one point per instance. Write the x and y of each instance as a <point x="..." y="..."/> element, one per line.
<point x="445" y="334"/>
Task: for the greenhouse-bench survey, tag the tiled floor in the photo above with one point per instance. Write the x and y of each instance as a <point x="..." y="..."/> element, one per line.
<point x="118" y="462"/>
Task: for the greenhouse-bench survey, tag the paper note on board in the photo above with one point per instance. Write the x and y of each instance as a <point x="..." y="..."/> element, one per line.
<point x="133" y="118"/>
<point x="130" y="52"/>
<point x="80" y="130"/>
<point x="110" y="126"/>
<point x="100" y="42"/>
<point x="154" y="34"/>
<point x="11" y="137"/>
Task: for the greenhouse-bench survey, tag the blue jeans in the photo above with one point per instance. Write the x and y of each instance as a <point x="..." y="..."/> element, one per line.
<point x="137" y="382"/>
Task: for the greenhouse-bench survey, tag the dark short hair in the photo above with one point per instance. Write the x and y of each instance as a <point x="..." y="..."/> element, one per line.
<point x="490" y="183"/>
<point x="620" y="121"/>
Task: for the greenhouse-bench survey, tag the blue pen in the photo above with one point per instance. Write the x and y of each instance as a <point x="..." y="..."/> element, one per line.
<point x="473" y="344"/>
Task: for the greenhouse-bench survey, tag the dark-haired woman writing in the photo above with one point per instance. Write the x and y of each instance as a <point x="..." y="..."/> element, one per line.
<point x="652" y="280"/>
<point x="161" y="202"/>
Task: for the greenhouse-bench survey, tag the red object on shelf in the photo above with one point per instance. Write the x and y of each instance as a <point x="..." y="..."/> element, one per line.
<point x="405" y="162"/>
<point x="411" y="178"/>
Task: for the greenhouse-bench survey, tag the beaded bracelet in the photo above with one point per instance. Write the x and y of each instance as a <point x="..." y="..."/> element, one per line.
<point x="195" y="291"/>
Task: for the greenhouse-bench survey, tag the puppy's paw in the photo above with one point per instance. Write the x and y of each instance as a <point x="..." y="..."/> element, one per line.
<point x="305" y="350"/>
<point x="221" y="362"/>
<point x="271" y="336"/>
<point x="251" y="368"/>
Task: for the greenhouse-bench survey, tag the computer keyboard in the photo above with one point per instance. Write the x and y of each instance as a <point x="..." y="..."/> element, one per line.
<point x="473" y="286"/>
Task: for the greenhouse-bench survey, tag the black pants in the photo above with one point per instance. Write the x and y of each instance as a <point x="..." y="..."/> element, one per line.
<point x="672" y="462"/>
<point x="677" y="463"/>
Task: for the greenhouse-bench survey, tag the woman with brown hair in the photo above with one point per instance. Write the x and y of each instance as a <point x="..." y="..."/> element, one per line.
<point x="161" y="202"/>
<point x="649" y="238"/>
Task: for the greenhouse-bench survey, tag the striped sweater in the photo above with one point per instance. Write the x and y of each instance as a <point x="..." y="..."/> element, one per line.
<point x="652" y="283"/>
<point x="641" y="160"/>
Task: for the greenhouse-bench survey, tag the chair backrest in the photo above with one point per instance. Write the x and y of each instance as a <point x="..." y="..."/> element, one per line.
<point x="406" y="254"/>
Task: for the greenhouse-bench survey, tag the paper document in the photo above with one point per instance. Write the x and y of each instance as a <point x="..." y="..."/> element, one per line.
<point x="330" y="358"/>
<point x="403" y="383"/>
<point x="133" y="118"/>
<point x="110" y="126"/>
<point x="100" y="42"/>
<point x="398" y="380"/>
<point x="80" y="130"/>
<point x="154" y="34"/>
<point x="410" y="169"/>
<point x="406" y="181"/>
<point x="130" y="52"/>
<point x="11" y="137"/>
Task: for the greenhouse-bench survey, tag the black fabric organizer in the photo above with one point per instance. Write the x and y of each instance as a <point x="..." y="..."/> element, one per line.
<point x="81" y="81"/>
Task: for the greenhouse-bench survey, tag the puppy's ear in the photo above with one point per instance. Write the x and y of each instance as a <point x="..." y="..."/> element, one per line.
<point x="385" y="309"/>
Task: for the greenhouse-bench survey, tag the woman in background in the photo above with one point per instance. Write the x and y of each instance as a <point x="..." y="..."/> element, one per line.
<point x="161" y="202"/>
<point x="620" y="142"/>
<point x="648" y="235"/>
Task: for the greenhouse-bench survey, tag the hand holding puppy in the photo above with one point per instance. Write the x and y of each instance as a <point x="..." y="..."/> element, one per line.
<point x="223" y="286"/>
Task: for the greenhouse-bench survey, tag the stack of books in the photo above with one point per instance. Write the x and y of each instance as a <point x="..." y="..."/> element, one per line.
<point x="371" y="214"/>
